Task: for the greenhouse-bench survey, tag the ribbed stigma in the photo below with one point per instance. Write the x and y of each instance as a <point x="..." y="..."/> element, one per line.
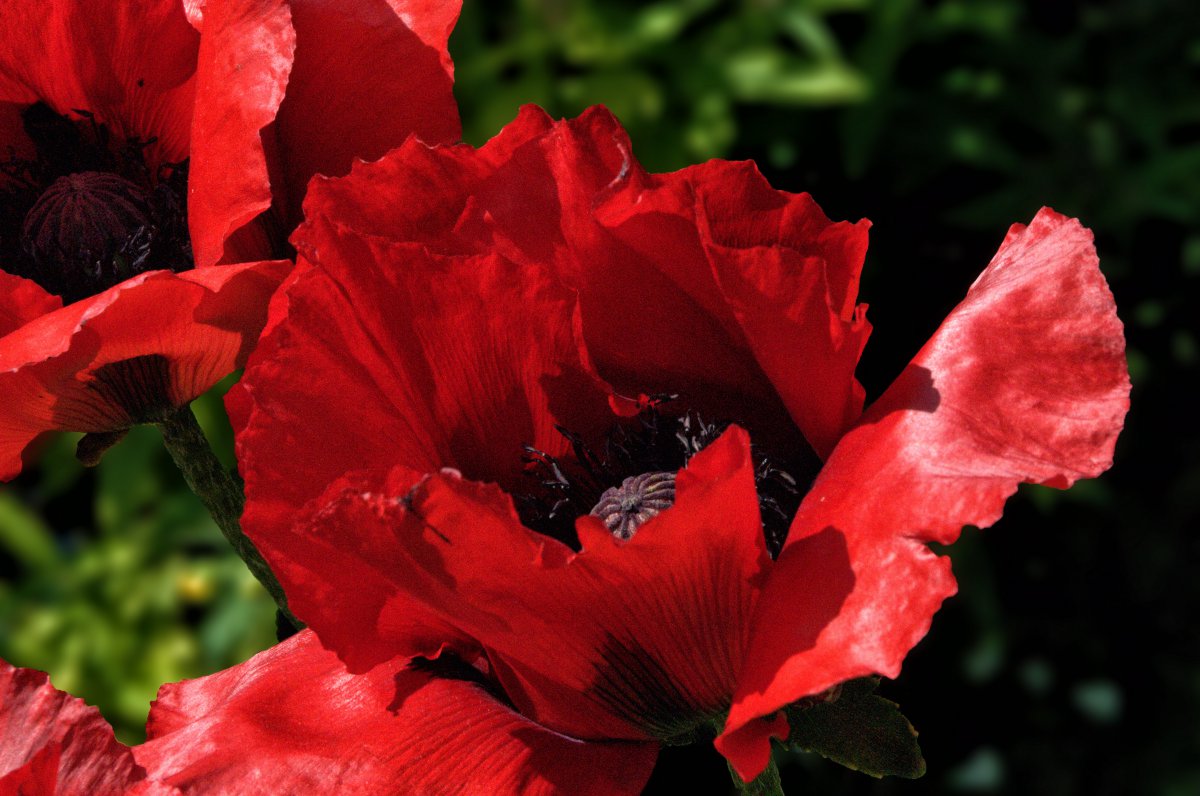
<point x="625" y="508"/>
<point x="85" y="212"/>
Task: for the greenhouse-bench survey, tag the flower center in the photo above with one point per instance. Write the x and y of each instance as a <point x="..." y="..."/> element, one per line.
<point x="633" y="480"/>
<point x="83" y="215"/>
<point x="625" y="508"/>
<point x="88" y="222"/>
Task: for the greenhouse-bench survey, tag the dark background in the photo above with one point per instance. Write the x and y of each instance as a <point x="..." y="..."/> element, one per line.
<point x="1069" y="662"/>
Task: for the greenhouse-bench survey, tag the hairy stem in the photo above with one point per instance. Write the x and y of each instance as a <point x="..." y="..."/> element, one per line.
<point x="220" y="494"/>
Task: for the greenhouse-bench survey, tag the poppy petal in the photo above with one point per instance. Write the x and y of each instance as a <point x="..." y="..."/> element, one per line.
<point x="22" y="300"/>
<point x="291" y="88"/>
<point x="292" y="719"/>
<point x="1025" y="382"/>
<point x="765" y="271"/>
<point x="629" y="640"/>
<point x="245" y="58"/>
<point x="129" y="64"/>
<point x="435" y="195"/>
<point x="790" y="276"/>
<point x="705" y="282"/>
<point x="391" y="355"/>
<point x="342" y="583"/>
<point x="148" y="344"/>
<point x="53" y="743"/>
<point x="344" y="101"/>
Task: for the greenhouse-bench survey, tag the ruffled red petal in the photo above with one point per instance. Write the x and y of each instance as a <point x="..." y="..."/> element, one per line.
<point x="706" y="282"/>
<point x="1025" y="381"/>
<point x="290" y="88"/>
<point x="790" y="277"/>
<point x="422" y="193"/>
<point x="22" y="300"/>
<point x="624" y="640"/>
<point x="390" y="355"/>
<point x="293" y="720"/>
<point x="245" y="58"/>
<point x="131" y="64"/>
<point x="53" y="743"/>
<point x="150" y="343"/>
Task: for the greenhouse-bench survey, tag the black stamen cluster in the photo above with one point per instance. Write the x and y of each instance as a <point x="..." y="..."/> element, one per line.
<point x="75" y="241"/>
<point x="563" y="488"/>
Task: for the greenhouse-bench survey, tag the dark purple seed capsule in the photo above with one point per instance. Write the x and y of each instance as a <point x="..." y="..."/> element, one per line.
<point x="625" y="508"/>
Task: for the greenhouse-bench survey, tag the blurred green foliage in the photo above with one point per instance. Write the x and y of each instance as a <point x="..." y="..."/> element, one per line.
<point x="122" y="581"/>
<point x="674" y="72"/>
<point x="1069" y="663"/>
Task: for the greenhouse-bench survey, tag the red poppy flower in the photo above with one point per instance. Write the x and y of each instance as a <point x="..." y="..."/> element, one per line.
<point x="133" y="140"/>
<point x="486" y="309"/>
<point x="53" y="743"/>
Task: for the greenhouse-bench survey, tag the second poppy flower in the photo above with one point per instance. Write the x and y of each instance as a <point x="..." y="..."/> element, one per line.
<point x="738" y="537"/>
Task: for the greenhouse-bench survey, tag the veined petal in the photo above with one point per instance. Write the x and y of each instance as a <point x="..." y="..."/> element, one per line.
<point x="790" y="277"/>
<point x="245" y="58"/>
<point x="292" y="719"/>
<point x="368" y="75"/>
<point x="439" y="196"/>
<point x="1025" y="382"/>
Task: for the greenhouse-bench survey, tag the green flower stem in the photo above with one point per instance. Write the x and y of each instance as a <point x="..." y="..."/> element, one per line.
<point x="765" y="784"/>
<point x="220" y="494"/>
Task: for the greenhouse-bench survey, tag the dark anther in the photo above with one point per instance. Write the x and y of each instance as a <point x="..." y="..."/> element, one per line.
<point x="778" y="499"/>
<point x="638" y="499"/>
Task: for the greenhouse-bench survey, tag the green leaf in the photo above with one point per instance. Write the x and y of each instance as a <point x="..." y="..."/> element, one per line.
<point x="860" y="731"/>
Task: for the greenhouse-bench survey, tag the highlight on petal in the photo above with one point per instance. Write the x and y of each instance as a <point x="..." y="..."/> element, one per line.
<point x="637" y="640"/>
<point x="391" y="355"/>
<point x="705" y="282"/>
<point x="1025" y="382"/>
<point x="293" y="720"/>
<point x="292" y="88"/>
<point x="53" y="743"/>
<point x="149" y="344"/>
